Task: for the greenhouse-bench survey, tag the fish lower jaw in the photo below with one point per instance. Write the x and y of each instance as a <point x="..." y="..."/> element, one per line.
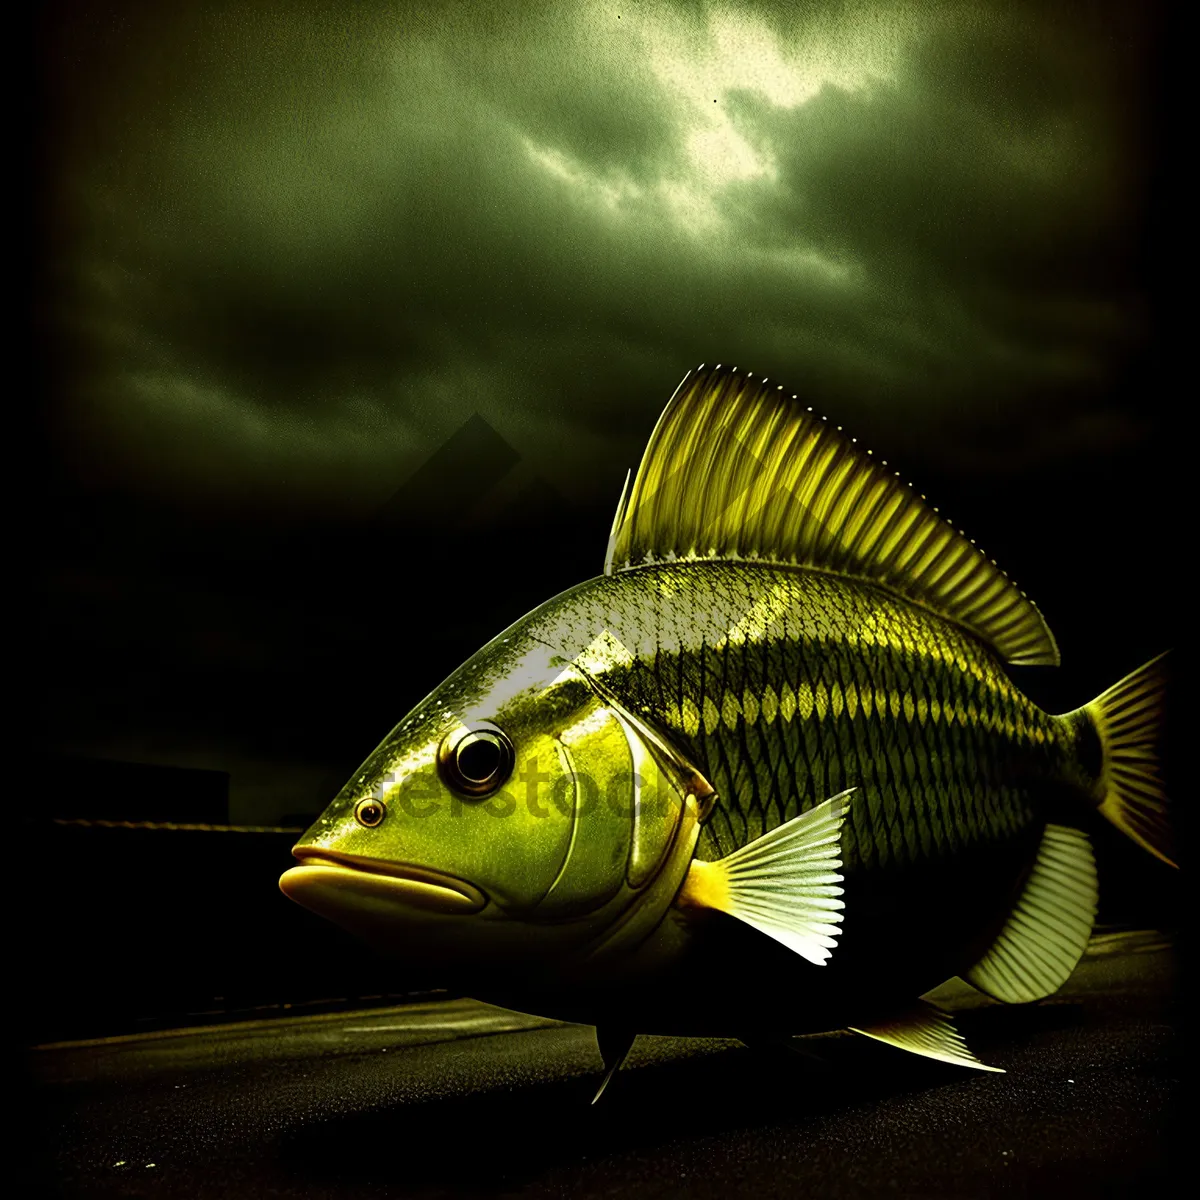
<point x="338" y="890"/>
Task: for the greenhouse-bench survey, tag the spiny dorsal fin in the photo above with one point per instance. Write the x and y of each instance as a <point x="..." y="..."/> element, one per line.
<point x="785" y="884"/>
<point x="738" y="469"/>
<point x="925" y="1030"/>
<point x="1047" y="931"/>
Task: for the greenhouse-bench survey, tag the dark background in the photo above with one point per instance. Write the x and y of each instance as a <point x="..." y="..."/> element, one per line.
<point x="349" y="320"/>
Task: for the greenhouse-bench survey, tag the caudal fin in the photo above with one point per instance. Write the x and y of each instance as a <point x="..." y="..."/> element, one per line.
<point x="1129" y="719"/>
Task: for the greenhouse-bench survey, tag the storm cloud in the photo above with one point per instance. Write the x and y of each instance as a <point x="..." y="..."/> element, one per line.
<point x="355" y="316"/>
<point x="297" y="246"/>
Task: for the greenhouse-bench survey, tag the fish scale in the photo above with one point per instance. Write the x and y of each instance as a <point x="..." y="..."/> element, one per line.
<point x="929" y="786"/>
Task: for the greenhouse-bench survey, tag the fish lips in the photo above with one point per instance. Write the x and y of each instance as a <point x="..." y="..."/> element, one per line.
<point x="361" y="892"/>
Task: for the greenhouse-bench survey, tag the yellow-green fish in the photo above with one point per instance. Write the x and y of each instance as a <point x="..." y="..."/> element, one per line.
<point x="766" y="775"/>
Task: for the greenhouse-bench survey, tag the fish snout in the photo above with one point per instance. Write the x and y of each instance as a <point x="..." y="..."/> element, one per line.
<point x="333" y="883"/>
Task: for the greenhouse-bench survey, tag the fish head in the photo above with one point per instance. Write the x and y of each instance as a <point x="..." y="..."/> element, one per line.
<point x="517" y="813"/>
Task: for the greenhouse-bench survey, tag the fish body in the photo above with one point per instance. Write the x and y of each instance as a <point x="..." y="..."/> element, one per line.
<point x="787" y="686"/>
<point x="768" y="774"/>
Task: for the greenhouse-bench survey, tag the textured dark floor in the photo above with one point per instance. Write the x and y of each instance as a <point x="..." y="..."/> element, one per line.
<point x="455" y="1098"/>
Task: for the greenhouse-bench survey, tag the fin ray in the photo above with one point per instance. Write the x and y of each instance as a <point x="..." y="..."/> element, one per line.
<point x="1128" y="719"/>
<point x="1048" y="929"/>
<point x="736" y="469"/>
<point x="784" y="884"/>
<point x="926" y="1030"/>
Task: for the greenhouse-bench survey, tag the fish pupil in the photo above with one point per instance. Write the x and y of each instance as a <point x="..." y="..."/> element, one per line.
<point x="479" y="757"/>
<point x="369" y="813"/>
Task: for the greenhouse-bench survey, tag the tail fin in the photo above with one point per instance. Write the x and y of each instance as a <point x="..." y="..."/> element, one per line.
<point x="1129" y="720"/>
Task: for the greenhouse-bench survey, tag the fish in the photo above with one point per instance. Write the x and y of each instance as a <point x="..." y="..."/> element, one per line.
<point x="768" y="774"/>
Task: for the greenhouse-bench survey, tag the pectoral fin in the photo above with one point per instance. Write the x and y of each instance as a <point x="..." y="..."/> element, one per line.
<point x="925" y="1030"/>
<point x="785" y="884"/>
<point x="614" y="1045"/>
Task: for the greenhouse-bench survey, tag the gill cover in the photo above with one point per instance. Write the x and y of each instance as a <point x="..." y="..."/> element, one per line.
<point x="633" y="797"/>
<point x="582" y="848"/>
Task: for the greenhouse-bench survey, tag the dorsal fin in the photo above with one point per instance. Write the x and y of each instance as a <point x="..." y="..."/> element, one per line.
<point x="738" y="468"/>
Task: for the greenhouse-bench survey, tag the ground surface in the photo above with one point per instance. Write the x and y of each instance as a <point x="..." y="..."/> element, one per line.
<point x="452" y="1097"/>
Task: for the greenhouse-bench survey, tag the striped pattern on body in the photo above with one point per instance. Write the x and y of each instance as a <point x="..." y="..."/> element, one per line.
<point x="787" y="686"/>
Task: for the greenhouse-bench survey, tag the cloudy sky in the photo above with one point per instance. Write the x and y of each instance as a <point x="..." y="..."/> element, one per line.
<point x="292" y="248"/>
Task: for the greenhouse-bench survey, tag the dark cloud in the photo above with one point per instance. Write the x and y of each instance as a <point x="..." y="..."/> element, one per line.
<point x="293" y="249"/>
<point x="302" y="245"/>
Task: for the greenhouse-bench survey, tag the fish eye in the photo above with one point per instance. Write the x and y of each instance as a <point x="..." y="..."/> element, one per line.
<point x="370" y="812"/>
<point x="477" y="759"/>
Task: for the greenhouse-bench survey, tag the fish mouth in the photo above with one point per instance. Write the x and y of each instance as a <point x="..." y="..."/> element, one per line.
<point x="324" y="879"/>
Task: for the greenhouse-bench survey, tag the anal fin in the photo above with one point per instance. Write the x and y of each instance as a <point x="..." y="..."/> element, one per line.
<point x="1048" y="929"/>
<point x="926" y="1030"/>
<point x="785" y="884"/>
